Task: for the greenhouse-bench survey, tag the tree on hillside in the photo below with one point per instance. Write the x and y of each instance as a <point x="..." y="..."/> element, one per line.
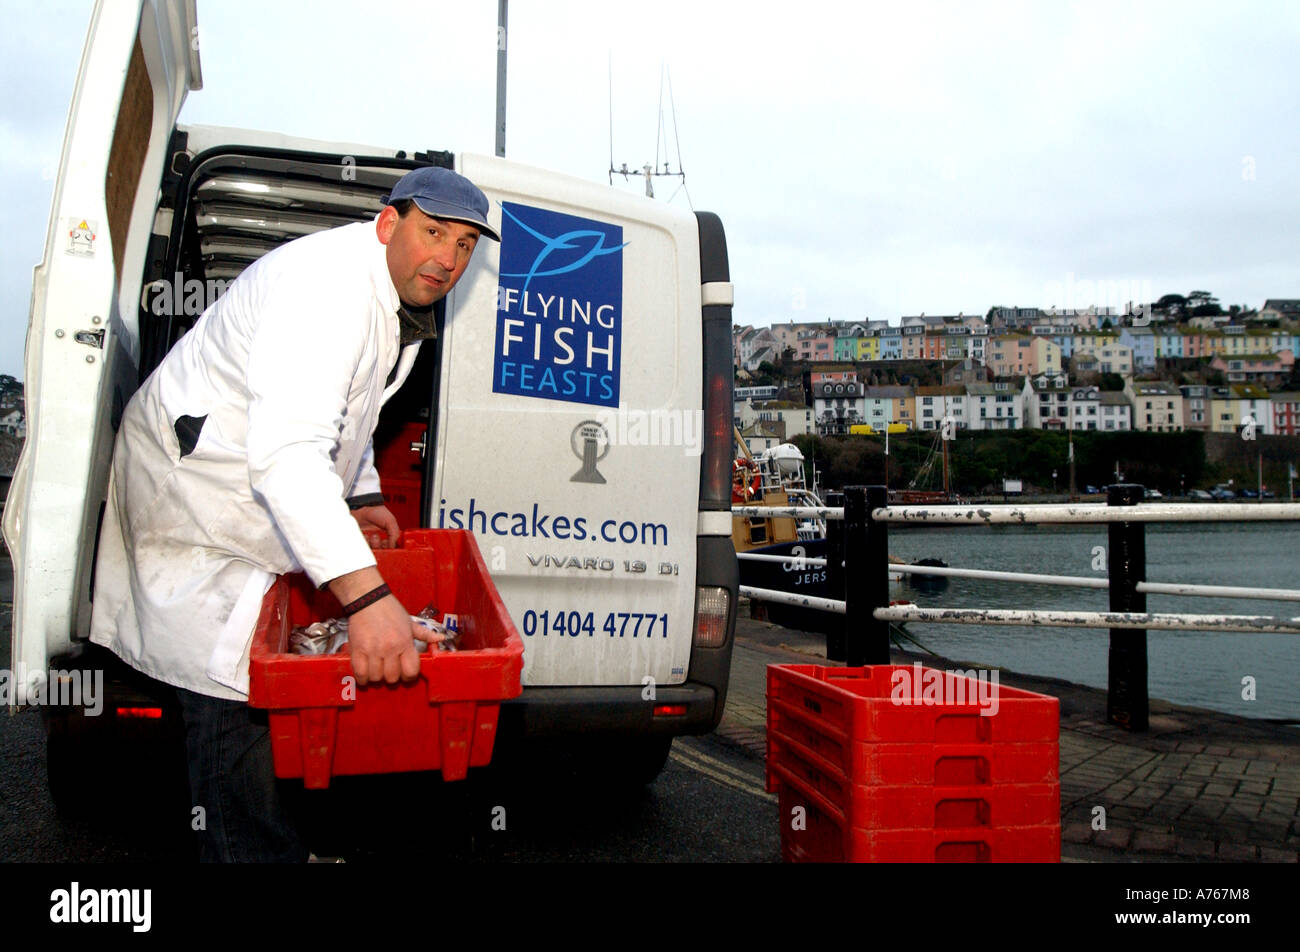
<point x="1203" y="304"/>
<point x="1171" y="305"/>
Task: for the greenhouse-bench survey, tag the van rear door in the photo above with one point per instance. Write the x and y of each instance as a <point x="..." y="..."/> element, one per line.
<point x="82" y="355"/>
<point x="568" y="427"/>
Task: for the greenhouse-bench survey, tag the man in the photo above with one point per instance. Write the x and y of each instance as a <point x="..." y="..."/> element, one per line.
<point x="240" y="458"/>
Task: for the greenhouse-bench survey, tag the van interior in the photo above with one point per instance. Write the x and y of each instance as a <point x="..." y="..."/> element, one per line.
<point x="225" y="208"/>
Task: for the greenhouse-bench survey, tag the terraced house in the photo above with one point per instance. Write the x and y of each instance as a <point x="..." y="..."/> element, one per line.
<point x="1157" y="406"/>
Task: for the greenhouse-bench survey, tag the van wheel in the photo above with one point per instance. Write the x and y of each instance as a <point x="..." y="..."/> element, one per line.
<point x="637" y="762"/>
<point x="74" y="761"/>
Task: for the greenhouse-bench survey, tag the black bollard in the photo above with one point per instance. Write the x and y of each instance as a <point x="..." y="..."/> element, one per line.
<point x="866" y="567"/>
<point x="1126" y="699"/>
<point x="835" y="577"/>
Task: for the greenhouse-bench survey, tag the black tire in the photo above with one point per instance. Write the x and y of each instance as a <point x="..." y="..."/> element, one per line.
<point x="637" y="762"/>
<point x="74" y="759"/>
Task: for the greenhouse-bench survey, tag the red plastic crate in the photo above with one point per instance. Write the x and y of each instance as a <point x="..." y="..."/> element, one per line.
<point x="905" y="764"/>
<point x="823" y="838"/>
<point x="877" y="807"/>
<point x="855" y="703"/>
<point x="907" y="778"/>
<point x="400" y="465"/>
<point x="445" y="720"/>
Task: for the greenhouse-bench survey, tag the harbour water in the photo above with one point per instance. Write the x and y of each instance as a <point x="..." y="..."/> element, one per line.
<point x="1203" y="669"/>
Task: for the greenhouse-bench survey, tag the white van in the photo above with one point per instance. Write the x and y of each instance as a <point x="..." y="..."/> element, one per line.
<point x="574" y="411"/>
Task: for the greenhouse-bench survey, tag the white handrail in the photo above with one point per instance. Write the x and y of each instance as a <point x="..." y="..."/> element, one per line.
<point x="1073" y="619"/>
<point x="791" y="512"/>
<point x="1085" y="513"/>
<point x="798" y="560"/>
<point x="788" y="598"/>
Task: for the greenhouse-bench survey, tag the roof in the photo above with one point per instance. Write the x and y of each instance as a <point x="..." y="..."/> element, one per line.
<point x="1113" y="398"/>
<point x="765" y="429"/>
<point x="1249" y="392"/>
<point x="888" y="393"/>
<point x="1157" y="388"/>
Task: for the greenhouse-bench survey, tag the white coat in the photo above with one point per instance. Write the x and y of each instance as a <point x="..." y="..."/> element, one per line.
<point x="282" y="379"/>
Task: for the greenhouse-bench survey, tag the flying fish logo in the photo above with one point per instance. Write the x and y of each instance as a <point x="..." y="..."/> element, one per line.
<point x="559" y="307"/>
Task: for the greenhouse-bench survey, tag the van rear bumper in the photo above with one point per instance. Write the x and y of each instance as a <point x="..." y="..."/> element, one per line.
<point x="542" y="712"/>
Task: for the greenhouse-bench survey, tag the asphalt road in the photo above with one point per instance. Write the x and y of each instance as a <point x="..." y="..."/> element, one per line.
<point x="708" y="804"/>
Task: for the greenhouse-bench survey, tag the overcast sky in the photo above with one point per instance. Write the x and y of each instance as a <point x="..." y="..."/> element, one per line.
<point x="868" y="160"/>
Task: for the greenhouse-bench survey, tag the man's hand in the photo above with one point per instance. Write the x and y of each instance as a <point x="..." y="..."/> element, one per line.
<point x="378" y="517"/>
<point x="381" y="637"/>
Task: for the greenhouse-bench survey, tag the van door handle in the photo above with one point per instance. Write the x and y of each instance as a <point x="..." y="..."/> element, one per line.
<point x="418" y="446"/>
<point x="90" y="338"/>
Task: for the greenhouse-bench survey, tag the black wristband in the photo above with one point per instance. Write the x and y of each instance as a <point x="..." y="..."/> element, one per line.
<point x="366" y="600"/>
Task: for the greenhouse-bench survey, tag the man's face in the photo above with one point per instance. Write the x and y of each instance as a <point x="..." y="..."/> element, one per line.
<point x="426" y="256"/>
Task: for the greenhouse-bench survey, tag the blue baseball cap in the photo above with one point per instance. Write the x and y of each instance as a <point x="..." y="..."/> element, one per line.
<point x="442" y="193"/>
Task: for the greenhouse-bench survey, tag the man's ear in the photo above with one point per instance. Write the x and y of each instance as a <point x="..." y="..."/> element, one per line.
<point x="386" y="224"/>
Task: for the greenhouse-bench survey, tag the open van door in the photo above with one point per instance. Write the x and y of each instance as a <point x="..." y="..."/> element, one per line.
<point x="82" y="357"/>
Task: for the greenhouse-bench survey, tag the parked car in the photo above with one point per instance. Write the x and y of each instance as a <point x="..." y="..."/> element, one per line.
<point x="1249" y="494"/>
<point x="1152" y="494"/>
<point x="1199" y="494"/>
<point x="1219" y="492"/>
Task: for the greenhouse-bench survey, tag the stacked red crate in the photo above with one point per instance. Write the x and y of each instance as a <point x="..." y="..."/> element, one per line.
<point x="894" y="763"/>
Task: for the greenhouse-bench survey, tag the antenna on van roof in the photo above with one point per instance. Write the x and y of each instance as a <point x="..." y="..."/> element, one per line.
<point x="656" y="169"/>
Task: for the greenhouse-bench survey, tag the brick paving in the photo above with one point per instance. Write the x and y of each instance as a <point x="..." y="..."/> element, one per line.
<point x="1198" y="786"/>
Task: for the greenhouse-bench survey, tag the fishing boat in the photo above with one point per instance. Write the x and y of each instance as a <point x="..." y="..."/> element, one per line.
<point x="788" y="547"/>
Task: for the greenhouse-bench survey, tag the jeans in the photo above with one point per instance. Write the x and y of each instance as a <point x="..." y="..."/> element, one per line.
<point x="232" y="778"/>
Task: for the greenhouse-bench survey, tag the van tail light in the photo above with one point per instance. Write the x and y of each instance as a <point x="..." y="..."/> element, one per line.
<point x="711" y="608"/>
<point x="670" y="710"/>
<point x="715" y="470"/>
<point x="149" y="713"/>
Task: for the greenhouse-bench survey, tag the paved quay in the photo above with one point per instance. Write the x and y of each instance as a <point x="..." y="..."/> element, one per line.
<point x="1198" y="786"/>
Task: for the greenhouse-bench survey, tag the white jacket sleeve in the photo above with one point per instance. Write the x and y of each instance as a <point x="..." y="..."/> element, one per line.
<point x="367" y="482"/>
<point x="305" y="352"/>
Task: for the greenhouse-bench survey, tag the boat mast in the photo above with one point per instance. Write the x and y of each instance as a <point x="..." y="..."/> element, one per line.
<point x="886" y="457"/>
<point x="945" y="466"/>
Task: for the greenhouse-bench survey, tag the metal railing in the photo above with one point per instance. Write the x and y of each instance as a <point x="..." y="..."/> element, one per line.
<point x="858" y="543"/>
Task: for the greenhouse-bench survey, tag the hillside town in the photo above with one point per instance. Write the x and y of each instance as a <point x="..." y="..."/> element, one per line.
<point x="1183" y="363"/>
